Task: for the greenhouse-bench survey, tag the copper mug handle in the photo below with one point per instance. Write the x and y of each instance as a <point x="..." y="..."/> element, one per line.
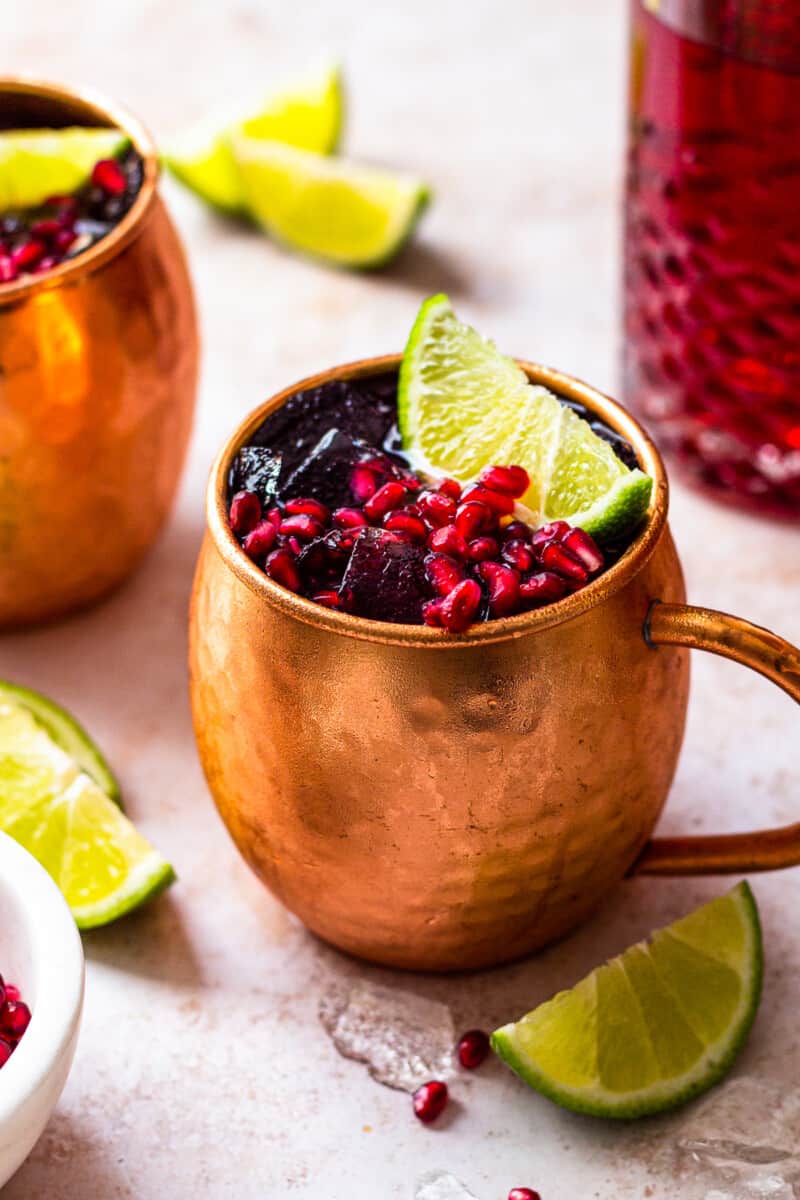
<point x="778" y="660"/>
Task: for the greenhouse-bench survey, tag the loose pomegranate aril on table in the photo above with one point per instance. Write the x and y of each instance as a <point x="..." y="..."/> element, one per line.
<point x="12" y="992"/>
<point x="473" y="1047"/>
<point x="245" y="512"/>
<point x="523" y="1193"/>
<point x="430" y="1100"/>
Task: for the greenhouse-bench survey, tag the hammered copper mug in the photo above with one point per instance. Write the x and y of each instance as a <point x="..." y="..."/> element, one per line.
<point x="439" y="802"/>
<point x="98" y="372"/>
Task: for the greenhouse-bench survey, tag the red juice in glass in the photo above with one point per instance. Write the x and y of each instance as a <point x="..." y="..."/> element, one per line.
<point x="712" y="243"/>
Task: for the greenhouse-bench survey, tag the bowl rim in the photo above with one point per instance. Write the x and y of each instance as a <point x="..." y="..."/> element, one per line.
<point x="105" y="112"/>
<point x="502" y="629"/>
<point x="57" y="951"/>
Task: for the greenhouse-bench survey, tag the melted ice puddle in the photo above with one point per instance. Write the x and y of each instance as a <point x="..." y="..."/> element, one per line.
<point x="441" y="1185"/>
<point x="403" y="1039"/>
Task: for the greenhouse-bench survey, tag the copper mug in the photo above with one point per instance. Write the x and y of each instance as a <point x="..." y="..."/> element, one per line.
<point x="98" y="373"/>
<point x="437" y="802"/>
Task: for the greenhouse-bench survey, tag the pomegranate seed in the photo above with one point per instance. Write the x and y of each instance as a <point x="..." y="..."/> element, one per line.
<point x="498" y="502"/>
<point x="451" y="488"/>
<point x="584" y="547"/>
<point x="65" y="204"/>
<point x="108" y="175"/>
<point x="328" y="598"/>
<point x="436" y="508"/>
<point x="245" y="512"/>
<point x="443" y="573"/>
<point x="280" y="566"/>
<point x="349" y="518"/>
<point x="260" y="540"/>
<point x="46" y="228"/>
<point x="363" y="484"/>
<point x="482" y="548"/>
<point x="8" y="270"/>
<point x="473" y="1046"/>
<point x="556" y="557"/>
<point x="523" y="1194"/>
<point x="448" y="540"/>
<point x="516" y="531"/>
<point x="12" y="992"/>
<point x="301" y="526"/>
<point x="390" y="496"/>
<point x="275" y="516"/>
<point x="430" y="1100"/>
<point x="28" y="254"/>
<point x="64" y="239"/>
<point x="308" y="507"/>
<point x="293" y="546"/>
<point x="460" y="607"/>
<point x="513" y="480"/>
<point x="518" y="554"/>
<point x="473" y="519"/>
<point x="15" y="1017"/>
<point x="46" y="264"/>
<point x="432" y="613"/>
<point x="542" y="588"/>
<point x="400" y="521"/>
<point x="6" y="1050"/>
<point x="503" y="588"/>
<point x="553" y="532"/>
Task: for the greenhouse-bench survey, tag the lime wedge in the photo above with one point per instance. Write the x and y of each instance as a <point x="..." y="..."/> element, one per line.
<point x="462" y="406"/>
<point x="309" y="114"/>
<point x="37" y="163"/>
<point x="330" y="208"/>
<point x="65" y="731"/>
<point x="57" y="812"/>
<point x="652" y="1028"/>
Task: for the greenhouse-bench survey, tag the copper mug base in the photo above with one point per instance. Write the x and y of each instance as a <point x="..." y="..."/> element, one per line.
<point x="98" y="373"/>
<point x="440" y="803"/>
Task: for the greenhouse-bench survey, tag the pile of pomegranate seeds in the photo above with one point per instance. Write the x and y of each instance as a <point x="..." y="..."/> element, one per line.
<point x="15" y="1017"/>
<point x="404" y="550"/>
<point x="35" y="240"/>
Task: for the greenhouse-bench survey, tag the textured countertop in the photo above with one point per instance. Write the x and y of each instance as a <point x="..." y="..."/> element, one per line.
<point x="202" y="1068"/>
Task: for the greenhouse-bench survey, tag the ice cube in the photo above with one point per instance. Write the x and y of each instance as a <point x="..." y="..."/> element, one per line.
<point x="441" y="1185"/>
<point x="256" y="469"/>
<point x="385" y="578"/>
<point x="402" y="1038"/>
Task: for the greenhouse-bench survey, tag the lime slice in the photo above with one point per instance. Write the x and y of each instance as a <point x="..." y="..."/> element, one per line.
<point x="57" y="812"/>
<point x="462" y="406"/>
<point x="37" y="163"/>
<point x="330" y="208"/>
<point x="66" y="733"/>
<point x="308" y="114"/>
<point x="652" y="1028"/>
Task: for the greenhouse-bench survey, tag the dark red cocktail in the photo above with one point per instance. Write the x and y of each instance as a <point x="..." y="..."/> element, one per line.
<point x="712" y="260"/>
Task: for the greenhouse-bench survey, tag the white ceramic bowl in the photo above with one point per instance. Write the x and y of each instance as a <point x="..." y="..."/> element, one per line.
<point x="40" y="952"/>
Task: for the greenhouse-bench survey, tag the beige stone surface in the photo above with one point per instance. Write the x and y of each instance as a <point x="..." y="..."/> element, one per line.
<point x="202" y="1069"/>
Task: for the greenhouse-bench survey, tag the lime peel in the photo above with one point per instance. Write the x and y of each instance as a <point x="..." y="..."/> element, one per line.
<point x="38" y="163"/>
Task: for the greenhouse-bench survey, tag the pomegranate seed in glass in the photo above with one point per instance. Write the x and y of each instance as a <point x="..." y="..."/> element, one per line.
<point x="712" y="243"/>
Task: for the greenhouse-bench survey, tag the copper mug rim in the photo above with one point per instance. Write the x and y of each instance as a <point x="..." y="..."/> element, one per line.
<point x="596" y="593"/>
<point x="101" y="111"/>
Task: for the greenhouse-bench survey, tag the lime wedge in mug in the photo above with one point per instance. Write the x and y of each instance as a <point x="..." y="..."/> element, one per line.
<point x="329" y="208"/>
<point x="652" y="1028"/>
<point x="37" y="163"/>
<point x="59" y="813"/>
<point x="462" y="406"/>
<point x="309" y="113"/>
